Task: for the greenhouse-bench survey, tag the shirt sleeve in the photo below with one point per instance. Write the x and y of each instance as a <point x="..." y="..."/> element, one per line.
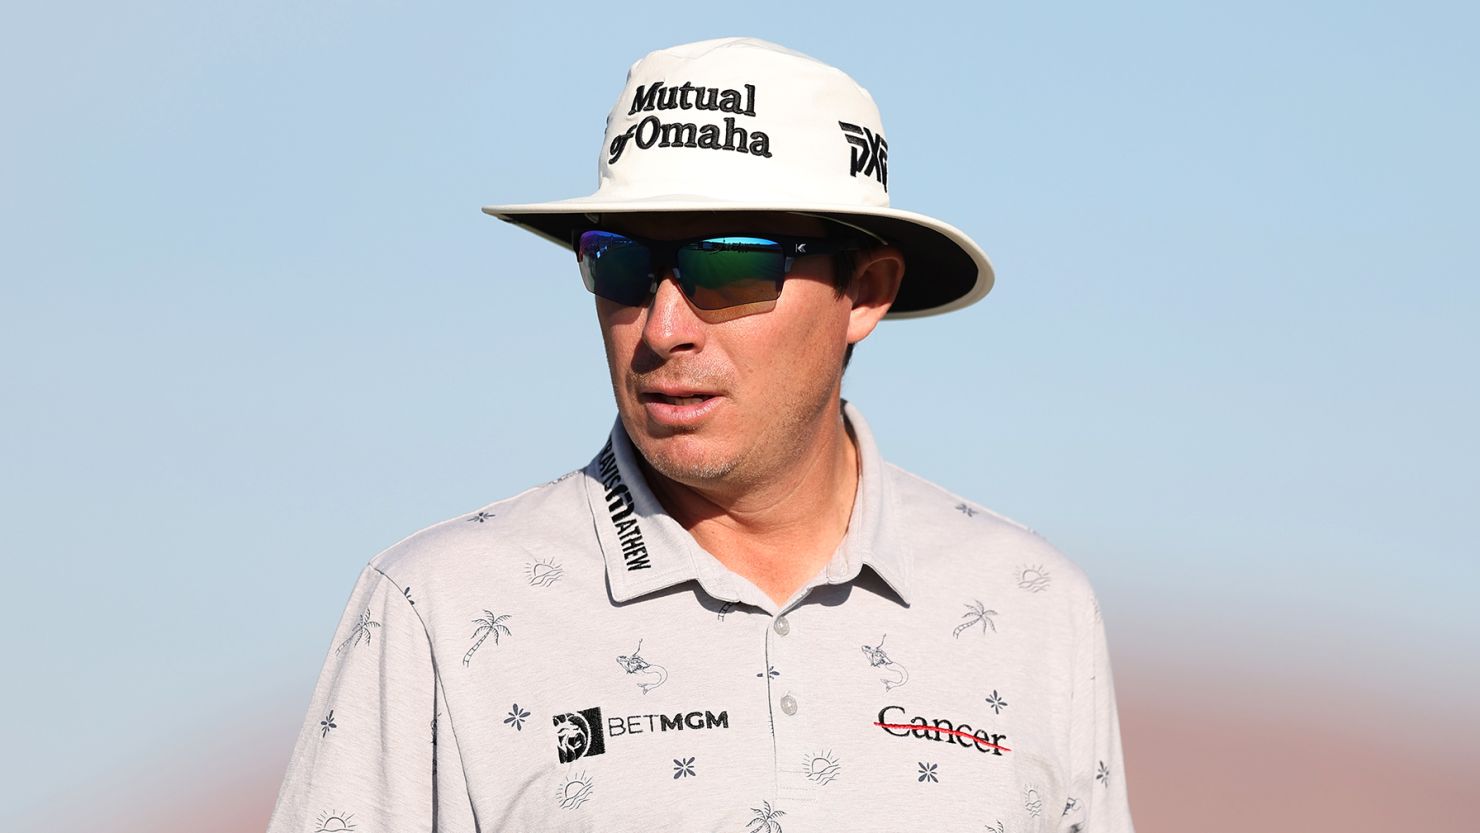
<point x="1098" y="800"/>
<point x="375" y="752"/>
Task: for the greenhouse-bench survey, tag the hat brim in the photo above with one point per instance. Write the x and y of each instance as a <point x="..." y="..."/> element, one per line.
<point x="944" y="269"/>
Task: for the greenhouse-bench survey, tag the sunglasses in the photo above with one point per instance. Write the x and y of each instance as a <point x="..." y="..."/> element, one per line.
<point x="716" y="272"/>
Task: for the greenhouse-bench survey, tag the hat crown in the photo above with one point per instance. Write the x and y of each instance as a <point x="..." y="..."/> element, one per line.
<point x="741" y="119"/>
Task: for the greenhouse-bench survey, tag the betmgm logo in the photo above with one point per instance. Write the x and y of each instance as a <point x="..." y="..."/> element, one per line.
<point x="578" y="734"/>
<point x="583" y="734"/>
<point x="869" y="153"/>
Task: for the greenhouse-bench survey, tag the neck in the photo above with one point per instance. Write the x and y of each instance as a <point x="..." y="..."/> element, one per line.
<point x="780" y="531"/>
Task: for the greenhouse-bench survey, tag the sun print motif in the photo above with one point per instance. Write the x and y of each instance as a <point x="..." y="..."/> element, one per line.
<point x="996" y="702"/>
<point x="328" y="723"/>
<point x="1033" y="579"/>
<point x="334" y="821"/>
<point x="653" y="675"/>
<point x="976" y="614"/>
<point x="482" y="517"/>
<point x="489" y="623"/>
<point x="683" y="767"/>
<point x="821" y="768"/>
<point x="543" y="573"/>
<point x="1102" y="774"/>
<point x="1032" y="802"/>
<point x="927" y="773"/>
<point x="360" y="631"/>
<point x="574" y="792"/>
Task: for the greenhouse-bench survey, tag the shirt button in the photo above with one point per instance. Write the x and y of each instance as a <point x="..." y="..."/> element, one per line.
<point x="781" y="626"/>
<point x="789" y="704"/>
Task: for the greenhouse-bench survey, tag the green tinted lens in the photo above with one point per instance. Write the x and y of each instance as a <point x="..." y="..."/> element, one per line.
<point x="615" y="267"/>
<point x="729" y="271"/>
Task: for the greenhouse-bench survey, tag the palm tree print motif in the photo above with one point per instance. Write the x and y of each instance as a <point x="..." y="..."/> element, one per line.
<point x="361" y="630"/>
<point x="976" y="613"/>
<point x="878" y="659"/>
<point x="635" y="664"/>
<point x="997" y="828"/>
<point x="488" y="624"/>
<point x="1071" y="804"/>
<point x="328" y="723"/>
<point x="765" y="819"/>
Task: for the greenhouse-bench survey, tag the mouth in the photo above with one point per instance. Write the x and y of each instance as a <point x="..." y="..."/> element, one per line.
<point x="682" y="399"/>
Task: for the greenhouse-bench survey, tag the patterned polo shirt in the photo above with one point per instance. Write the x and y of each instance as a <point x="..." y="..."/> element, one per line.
<point x="570" y="659"/>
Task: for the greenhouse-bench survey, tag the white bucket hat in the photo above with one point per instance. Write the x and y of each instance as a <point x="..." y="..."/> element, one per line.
<point x="739" y="124"/>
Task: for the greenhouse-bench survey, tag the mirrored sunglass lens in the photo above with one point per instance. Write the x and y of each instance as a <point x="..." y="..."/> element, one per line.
<point x="615" y="267"/>
<point x="729" y="271"/>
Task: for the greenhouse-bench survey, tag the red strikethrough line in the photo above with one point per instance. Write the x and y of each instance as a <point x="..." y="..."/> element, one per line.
<point x="939" y="729"/>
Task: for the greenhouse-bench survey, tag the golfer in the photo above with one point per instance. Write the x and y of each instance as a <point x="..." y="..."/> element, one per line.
<point x="738" y="616"/>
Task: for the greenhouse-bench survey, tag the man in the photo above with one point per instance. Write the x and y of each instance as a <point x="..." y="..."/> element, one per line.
<point x="682" y="634"/>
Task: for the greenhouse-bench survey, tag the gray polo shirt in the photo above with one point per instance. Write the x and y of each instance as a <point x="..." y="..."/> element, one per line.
<point x="569" y="659"/>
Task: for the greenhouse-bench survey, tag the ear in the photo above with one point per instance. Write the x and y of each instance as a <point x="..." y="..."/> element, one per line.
<point x="875" y="282"/>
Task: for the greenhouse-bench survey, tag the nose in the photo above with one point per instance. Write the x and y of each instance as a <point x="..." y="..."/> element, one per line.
<point x="671" y="325"/>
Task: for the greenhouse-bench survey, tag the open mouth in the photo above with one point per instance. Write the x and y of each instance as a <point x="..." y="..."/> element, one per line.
<point x="685" y="399"/>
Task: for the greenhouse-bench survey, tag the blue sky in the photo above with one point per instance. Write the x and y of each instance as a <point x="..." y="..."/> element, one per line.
<point x="256" y="328"/>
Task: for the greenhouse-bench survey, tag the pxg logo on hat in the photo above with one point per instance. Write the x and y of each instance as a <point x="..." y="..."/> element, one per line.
<point x="740" y="124"/>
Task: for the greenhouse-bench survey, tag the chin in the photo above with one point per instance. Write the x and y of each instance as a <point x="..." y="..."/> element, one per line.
<point x="686" y="458"/>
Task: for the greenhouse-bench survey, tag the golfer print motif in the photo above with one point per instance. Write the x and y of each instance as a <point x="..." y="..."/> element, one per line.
<point x="878" y="659"/>
<point x="653" y="675"/>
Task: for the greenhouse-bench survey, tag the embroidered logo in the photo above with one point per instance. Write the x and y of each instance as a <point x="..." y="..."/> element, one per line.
<point x="584" y="733"/>
<point x="579" y="734"/>
<point x="621" y="506"/>
<point x="653" y="131"/>
<point x="869" y="153"/>
<point x="941" y="729"/>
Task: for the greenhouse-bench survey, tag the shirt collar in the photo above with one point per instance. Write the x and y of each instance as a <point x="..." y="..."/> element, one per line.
<point x="646" y="549"/>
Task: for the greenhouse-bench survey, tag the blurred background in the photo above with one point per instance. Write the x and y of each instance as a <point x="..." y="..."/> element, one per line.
<point x="255" y="329"/>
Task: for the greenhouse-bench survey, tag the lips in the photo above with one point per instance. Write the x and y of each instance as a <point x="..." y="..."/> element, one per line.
<point x="674" y="394"/>
<point x="676" y="399"/>
<point x="676" y="406"/>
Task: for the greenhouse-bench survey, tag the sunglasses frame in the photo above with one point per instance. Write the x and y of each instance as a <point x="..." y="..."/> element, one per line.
<point x="663" y="256"/>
